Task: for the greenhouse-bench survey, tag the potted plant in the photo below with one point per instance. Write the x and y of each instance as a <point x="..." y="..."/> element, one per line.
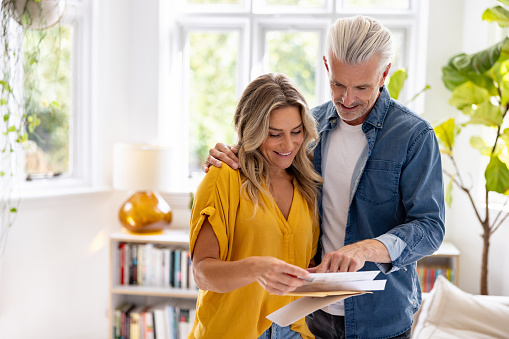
<point x="480" y="90"/>
<point x="17" y="17"/>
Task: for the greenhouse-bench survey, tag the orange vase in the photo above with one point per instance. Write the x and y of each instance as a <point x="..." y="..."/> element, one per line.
<point x="145" y="212"/>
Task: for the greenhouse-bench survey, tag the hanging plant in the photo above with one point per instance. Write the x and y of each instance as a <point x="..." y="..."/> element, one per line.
<point x="17" y="17"/>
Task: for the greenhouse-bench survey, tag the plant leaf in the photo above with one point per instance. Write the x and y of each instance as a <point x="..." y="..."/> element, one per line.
<point x="452" y="78"/>
<point x="446" y="133"/>
<point x="479" y="144"/>
<point x="486" y="114"/>
<point x="497" y="14"/>
<point x="505" y="136"/>
<point x="468" y="94"/>
<point x="396" y="82"/>
<point x="482" y="61"/>
<point x="5" y="84"/>
<point x="497" y="176"/>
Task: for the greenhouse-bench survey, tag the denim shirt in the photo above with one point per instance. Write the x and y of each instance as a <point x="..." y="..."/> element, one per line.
<point x="396" y="197"/>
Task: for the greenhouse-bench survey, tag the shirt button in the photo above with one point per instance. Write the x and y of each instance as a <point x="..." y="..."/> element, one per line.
<point x="379" y="124"/>
<point x="334" y="121"/>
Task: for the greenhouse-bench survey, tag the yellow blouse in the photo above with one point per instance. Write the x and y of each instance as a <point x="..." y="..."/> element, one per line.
<point x="242" y="312"/>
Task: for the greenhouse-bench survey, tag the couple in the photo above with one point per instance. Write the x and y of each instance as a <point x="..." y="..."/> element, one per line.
<point x="380" y="205"/>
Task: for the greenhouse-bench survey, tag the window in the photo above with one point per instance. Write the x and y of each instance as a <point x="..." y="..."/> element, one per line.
<point x="219" y="46"/>
<point x="58" y="147"/>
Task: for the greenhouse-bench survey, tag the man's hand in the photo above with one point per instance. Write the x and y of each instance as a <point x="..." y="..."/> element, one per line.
<point x="352" y="258"/>
<point x="224" y="153"/>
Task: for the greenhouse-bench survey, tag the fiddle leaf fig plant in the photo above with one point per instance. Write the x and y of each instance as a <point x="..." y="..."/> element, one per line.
<point x="479" y="84"/>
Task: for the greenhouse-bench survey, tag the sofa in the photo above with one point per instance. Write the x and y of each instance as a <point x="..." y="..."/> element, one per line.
<point x="448" y="312"/>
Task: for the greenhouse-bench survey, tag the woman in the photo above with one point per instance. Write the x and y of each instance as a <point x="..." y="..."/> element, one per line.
<point x="255" y="230"/>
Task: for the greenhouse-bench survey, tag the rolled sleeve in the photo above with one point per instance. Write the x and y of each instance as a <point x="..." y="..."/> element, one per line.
<point x="395" y="247"/>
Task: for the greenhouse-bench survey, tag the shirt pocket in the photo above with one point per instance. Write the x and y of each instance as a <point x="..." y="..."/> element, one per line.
<point x="379" y="182"/>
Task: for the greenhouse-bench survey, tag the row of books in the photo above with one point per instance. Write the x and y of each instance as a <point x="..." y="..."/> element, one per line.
<point x="164" y="321"/>
<point x="428" y="274"/>
<point x="154" y="265"/>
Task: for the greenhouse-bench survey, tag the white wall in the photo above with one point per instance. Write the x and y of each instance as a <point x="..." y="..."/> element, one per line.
<point x="54" y="274"/>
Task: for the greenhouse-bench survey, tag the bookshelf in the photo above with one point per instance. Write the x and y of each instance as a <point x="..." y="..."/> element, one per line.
<point x="152" y="294"/>
<point x="444" y="261"/>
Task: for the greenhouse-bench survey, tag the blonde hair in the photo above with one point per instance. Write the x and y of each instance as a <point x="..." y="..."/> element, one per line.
<point x="263" y="95"/>
<point x="355" y="40"/>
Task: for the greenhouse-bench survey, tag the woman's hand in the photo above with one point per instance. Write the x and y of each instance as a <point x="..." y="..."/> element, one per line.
<point x="276" y="276"/>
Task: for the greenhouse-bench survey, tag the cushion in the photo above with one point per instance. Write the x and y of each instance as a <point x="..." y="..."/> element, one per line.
<point x="448" y="312"/>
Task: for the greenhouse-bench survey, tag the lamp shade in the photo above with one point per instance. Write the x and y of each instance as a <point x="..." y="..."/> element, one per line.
<point x="141" y="167"/>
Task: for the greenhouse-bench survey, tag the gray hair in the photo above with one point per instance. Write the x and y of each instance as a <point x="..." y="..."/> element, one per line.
<point x="355" y="40"/>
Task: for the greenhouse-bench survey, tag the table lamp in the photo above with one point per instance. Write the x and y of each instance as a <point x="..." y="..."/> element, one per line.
<point x="144" y="169"/>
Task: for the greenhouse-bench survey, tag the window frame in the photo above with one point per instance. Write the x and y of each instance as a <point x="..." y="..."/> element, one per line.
<point x="413" y="22"/>
<point x="80" y="178"/>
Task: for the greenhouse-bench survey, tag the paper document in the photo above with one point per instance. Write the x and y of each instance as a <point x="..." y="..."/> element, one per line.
<point x="323" y="289"/>
<point x="344" y="281"/>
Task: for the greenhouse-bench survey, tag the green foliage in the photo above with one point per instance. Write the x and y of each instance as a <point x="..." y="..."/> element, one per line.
<point x="480" y="90"/>
<point x="396" y="82"/>
<point x="47" y="63"/>
<point x="212" y="91"/>
<point x="446" y="133"/>
<point x="20" y="85"/>
<point x="479" y="84"/>
<point x="497" y="14"/>
<point x="497" y="176"/>
<point x="294" y="54"/>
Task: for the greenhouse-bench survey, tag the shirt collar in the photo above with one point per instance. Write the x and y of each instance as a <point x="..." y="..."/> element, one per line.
<point x="377" y="115"/>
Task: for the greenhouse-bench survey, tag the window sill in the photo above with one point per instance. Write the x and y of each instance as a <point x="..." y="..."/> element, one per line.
<point x="57" y="188"/>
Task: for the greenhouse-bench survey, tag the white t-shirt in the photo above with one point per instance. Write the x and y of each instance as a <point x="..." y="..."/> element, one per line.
<point x="345" y="147"/>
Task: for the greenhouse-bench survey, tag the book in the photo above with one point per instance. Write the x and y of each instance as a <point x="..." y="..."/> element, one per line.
<point x="124" y="320"/>
<point x="157" y="266"/>
<point x="134" y="258"/>
<point x="134" y="322"/>
<point x="192" y="282"/>
<point x="184" y="324"/>
<point x="147" y="279"/>
<point x="141" y="264"/>
<point x="147" y="323"/>
<point x="127" y="255"/>
<point x="176" y="269"/>
<point x="184" y="268"/>
<point x="165" y="267"/>
<point x="171" y="317"/>
<point x="117" y="320"/>
<point x="121" y="261"/>
<point x="172" y="268"/>
<point x="160" y="322"/>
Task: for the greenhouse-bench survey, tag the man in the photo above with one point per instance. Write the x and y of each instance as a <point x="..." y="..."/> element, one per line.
<point x="388" y="160"/>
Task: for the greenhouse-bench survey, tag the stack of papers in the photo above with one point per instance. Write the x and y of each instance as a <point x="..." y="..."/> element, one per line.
<point x="323" y="289"/>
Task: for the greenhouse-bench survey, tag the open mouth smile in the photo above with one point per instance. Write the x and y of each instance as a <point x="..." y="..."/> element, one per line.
<point x="283" y="154"/>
